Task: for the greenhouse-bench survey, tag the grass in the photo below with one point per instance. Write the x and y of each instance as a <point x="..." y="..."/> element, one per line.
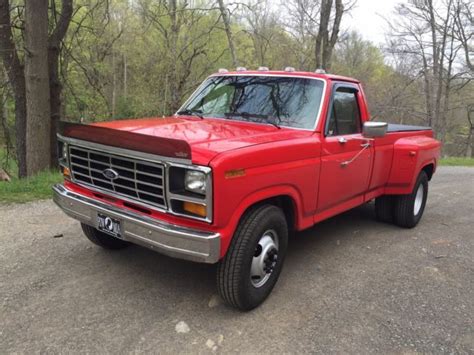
<point x="457" y="161"/>
<point x="37" y="187"/>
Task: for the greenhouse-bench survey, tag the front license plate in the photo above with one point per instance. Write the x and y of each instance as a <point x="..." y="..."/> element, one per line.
<point x="109" y="225"/>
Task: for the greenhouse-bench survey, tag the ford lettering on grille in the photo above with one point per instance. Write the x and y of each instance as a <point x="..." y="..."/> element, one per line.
<point x="134" y="179"/>
<point x="110" y="174"/>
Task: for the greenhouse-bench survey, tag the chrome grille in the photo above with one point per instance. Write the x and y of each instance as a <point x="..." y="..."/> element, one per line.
<point x="137" y="179"/>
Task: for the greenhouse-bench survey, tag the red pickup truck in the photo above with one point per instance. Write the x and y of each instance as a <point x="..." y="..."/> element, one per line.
<point x="251" y="157"/>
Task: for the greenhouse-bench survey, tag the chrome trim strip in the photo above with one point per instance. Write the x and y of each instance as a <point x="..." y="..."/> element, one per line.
<point x="181" y="163"/>
<point x="207" y="200"/>
<point x="121" y="151"/>
<point x="133" y="194"/>
<point x="176" y="241"/>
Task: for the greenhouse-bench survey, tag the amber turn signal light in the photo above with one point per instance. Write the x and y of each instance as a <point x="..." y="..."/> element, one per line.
<point x="66" y="173"/>
<point x="195" y="208"/>
<point x="229" y="174"/>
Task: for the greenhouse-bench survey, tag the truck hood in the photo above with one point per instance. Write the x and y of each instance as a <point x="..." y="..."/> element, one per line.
<point x="207" y="137"/>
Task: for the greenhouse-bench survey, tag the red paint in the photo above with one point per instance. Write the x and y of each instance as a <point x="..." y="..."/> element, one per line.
<point x="126" y="139"/>
<point x="302" y="165"/>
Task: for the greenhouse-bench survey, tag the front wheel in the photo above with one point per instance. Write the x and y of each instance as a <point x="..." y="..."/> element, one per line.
<point x="409" y="208"/>
<point x="250" y="269"/>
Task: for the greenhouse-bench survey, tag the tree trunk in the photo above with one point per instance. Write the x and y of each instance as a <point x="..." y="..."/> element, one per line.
<point x="325" y="44"/>
<point x="470" y="145"/>
<point x="228" y="32"/>
<point x="55" y="87"/>
<point x="174" y="35"/>
<point x="14" y="70"/>
<point x="327" y="55"/>
<point x="470" y="137"/>
<point x="125" y="79"/>
<point x="38" y="145"/>
<point x="114" y="86"/>
<point x="322" y="32"/>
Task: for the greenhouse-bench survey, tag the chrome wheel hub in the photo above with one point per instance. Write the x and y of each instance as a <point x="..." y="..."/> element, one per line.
<point x="265" y="258"/>
<point x="418" y="200"/>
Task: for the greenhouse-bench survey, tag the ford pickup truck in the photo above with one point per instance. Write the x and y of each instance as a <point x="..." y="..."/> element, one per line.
<point x="250" y="158"/>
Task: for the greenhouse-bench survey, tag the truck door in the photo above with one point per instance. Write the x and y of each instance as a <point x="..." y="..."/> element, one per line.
<point x="346" y="156"/>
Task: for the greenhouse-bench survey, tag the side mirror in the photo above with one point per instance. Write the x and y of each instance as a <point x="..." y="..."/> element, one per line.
<point x="374" y="129"/>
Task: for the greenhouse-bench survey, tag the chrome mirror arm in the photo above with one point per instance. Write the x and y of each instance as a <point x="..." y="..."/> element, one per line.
<point x="364" y="146"/>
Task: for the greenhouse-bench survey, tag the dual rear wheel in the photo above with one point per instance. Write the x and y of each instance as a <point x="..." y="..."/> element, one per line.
<point x="404" y="210"/>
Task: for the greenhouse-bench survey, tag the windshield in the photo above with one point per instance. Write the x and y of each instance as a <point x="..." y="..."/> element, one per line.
<point x="282" y="101"/>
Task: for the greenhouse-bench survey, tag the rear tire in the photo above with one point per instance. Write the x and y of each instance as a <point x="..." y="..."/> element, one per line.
<point x="252" y="265"/>
<point x="384" y="206"/>
<point x="409" y="209"/>
<point x="103" y="239"/>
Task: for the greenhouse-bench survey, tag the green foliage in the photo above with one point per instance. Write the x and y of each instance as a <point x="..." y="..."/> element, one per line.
<point x="130" y="65"/>
<point x="24" y="190"/>
<point x="123" y="59"/>
<point x="33" y="188"/>
<point x="8" y="163"/>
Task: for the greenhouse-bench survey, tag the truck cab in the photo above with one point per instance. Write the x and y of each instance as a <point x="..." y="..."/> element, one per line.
<point x="250" y="157"/>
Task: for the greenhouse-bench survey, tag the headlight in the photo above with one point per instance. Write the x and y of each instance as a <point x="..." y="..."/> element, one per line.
<point x="64" y="152"/>
<point x="195" y="181"/>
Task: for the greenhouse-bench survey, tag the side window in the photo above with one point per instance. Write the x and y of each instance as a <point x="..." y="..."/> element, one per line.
<point x="345" y="114"/>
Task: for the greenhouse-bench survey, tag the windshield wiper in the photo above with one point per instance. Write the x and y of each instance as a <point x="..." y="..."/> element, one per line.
<point x="197" y="113"/>
<point x="248" y="115"/>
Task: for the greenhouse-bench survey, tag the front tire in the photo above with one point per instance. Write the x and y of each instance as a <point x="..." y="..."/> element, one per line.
<point x="103" y="239"/>
<point x="252" y="265"/>
<point x="409" y="209"/>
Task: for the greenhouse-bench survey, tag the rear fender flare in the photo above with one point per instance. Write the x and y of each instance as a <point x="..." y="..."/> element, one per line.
<point x="410" y="156"/>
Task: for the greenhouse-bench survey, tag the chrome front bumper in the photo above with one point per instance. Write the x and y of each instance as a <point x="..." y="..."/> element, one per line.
<point x="169" y="239"/>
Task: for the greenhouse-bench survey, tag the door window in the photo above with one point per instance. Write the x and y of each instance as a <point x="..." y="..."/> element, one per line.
<point x="345" y="116"/>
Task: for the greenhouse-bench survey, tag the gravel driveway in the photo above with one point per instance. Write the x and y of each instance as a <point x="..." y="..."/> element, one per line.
<point x="349" y="285"/>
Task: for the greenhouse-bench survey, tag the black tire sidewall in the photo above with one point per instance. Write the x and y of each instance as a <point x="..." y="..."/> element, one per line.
<point x="102" y="239"/>
<point x="405" y="216"/>
<point x="272" y="220"/>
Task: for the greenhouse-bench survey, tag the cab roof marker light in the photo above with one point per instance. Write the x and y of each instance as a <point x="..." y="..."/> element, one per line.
<point x="241" y="69"/>
<point x="290" y="69"/>
<point x="263" y="69"/>
<point x="320" y="71"/>
<point x="222" y="70"/>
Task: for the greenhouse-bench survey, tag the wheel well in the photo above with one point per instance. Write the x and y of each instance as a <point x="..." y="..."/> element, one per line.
<point x="428" y="169"/>
<point x="286" y="204"/>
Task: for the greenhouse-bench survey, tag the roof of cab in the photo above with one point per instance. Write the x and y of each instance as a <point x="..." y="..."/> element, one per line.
<point x="289" y="73"/>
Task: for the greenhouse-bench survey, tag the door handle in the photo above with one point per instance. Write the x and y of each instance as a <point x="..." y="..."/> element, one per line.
<point x="342" y="140"/>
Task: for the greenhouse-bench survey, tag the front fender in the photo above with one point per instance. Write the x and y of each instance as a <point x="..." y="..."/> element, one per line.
<point x="258" y="196"/>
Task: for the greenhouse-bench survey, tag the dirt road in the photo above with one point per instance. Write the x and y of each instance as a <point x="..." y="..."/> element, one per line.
<point x="349" y="285"/>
